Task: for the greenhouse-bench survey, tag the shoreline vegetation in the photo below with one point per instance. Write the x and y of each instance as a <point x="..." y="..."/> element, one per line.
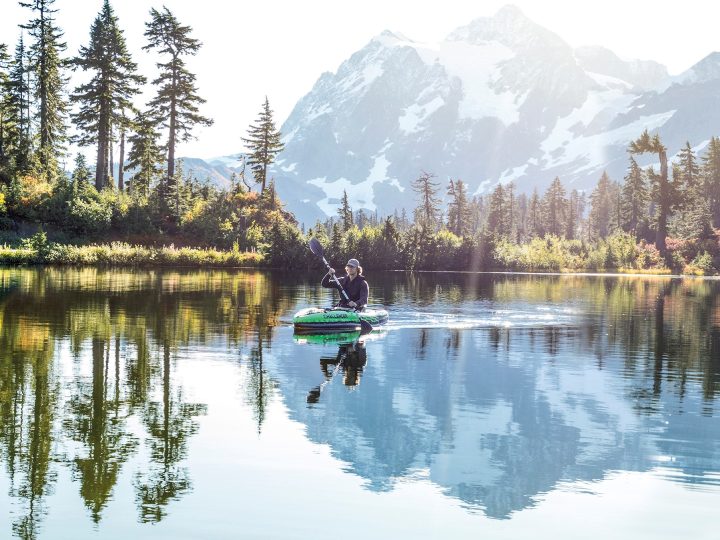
<point x="550" y="255"/>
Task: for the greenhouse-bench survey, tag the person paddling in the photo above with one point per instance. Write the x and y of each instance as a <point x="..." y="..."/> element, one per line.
<point x="353" y="283"/>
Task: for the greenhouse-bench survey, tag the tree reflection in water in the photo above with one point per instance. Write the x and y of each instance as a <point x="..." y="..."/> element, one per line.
<point x="121" y="328"/>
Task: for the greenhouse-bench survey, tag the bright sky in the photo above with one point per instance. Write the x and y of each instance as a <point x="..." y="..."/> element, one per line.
<point x="279" y="48"/>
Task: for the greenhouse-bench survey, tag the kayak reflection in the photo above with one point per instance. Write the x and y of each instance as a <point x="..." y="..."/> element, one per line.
<point x="351" y="358"/>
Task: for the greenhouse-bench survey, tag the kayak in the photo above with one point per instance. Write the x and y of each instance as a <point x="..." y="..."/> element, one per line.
<point x="337" y="319"/>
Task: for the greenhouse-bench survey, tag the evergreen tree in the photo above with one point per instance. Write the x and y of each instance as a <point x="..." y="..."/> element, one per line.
<point x="458" y="208"/>
<point x="18" y="111"/>
<point x="345" y="213"/>
<point x="336" y="240"/>
<point x="176" y="105"/>
<point x="511" y="211"/>
<point x="264" y="144"/>
<point x="711" y="178"/>
<point x="109" y="93"/>
<point x="615" y="207"/>
<point x="534" y="217"/>
<point x="662" y="193"/>
<point x="426" y="213"/>
<point x="47" y="66"/>
<point x="81" y="173"/>
<point x="575" y="210"/>
<point x="601" y="208"/>
<point x="7" y="121"/>
<point x="522" y="216"/>
<point x="693" y="216"/>
<point x="361" y="219"/>
<point x="690" y="182"/>
<point x="634" y="201"/>
<point x="475" y="213"/>
<point x="497" y="212"/>
<point x="554" y="209"/>
<point x="145" y="154"/>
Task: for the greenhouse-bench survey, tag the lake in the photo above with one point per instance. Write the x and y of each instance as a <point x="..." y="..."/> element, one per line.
<point x="179" y="404"/>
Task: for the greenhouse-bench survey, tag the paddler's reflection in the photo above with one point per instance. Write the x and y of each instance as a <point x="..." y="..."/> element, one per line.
<point x="351" y="358"/>
<point x="354" y="358"/>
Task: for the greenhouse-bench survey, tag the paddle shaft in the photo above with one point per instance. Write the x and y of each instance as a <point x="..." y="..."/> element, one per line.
<point x="337" y="282"/>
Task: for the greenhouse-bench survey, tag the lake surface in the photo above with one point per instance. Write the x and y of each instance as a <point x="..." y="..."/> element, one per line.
<point x="149" y="404"/>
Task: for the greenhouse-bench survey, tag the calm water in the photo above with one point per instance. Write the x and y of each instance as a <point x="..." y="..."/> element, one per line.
<point x="180" y="405"/>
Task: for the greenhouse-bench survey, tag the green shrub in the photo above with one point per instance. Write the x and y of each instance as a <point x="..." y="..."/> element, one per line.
<point x="701" y="265"/>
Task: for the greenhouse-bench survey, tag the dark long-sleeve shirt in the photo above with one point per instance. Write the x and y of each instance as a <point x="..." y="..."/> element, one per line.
<point x="357" y="289"/>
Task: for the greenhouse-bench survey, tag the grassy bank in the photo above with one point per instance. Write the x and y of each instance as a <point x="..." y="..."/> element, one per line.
<point x="39" y="251"/>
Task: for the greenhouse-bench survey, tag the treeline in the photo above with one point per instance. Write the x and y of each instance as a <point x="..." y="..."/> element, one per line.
<point x="650" y="221"/>
<point x="136" y="188"/>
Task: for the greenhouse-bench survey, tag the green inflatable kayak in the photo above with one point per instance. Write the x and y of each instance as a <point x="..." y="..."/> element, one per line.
<point x="337" y="319"/>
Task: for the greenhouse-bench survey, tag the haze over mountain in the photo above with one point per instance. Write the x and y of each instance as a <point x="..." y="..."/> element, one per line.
<point x="501" y="99"/>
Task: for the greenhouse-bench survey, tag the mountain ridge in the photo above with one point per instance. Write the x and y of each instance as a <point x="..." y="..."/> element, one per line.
<point x="500" y="99"/>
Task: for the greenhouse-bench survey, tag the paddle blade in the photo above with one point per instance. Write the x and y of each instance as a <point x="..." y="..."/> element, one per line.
<point x="314" y="395"/>
<point x="316" y="247"/>
<point x="365" y="327"/>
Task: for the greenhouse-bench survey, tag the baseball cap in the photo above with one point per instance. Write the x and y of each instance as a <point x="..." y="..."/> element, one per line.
<point x="353" y="262"/>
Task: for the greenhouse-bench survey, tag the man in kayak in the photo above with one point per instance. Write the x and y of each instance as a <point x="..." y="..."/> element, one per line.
<point x="353" y="283"/>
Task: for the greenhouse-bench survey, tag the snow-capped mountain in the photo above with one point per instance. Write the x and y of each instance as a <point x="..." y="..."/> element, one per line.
<point x="500" y="99"/>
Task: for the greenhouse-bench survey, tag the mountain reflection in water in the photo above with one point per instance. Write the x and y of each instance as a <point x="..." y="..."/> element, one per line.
<point x="497" y="389"/>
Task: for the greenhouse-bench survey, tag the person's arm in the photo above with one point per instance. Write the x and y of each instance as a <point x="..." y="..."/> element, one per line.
<point x="329" y="283"/>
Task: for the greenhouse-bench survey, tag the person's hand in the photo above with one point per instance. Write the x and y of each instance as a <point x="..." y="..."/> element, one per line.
<point x="352" y="304"/>
<point x="331" y="271"/>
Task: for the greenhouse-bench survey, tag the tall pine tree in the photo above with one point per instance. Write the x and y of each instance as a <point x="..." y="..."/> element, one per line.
<point x="497" y="212"/>
<point x="109" y="93"/>
<point x="263" y="143"/>
<point x="458" y="208"/>
<point x="427" y="211"/>
<point x="602" y="206"/>
<point x="345" y="212"/>
<point x="711" y="177"/>
<point x="576" y="207"/>
<point x="18" y="110"/>
<point x="634" y="201"/>
<point x="145" y="155"/>
<point x="662" y="195"/>
<point x="554" y="209"/>
<point x="8" y="123"/>
<point x="534" y="225"/>
<point x="48" y="66"/>
<point x="693" y="216"/>
<point x="176" y="105"/>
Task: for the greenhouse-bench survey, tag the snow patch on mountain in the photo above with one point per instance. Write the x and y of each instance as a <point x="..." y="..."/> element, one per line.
<point x="479" y="68"/>
<point x="357" y="194"/>
<point x="288" y="137"/>
<point x="510" y="175"/>
<point x="590" y="153"/>
<point x="289" y="168"/>
<point x="320" y="111"/>
<point x="606" y="102"/>
<point x="415" y="115"/>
